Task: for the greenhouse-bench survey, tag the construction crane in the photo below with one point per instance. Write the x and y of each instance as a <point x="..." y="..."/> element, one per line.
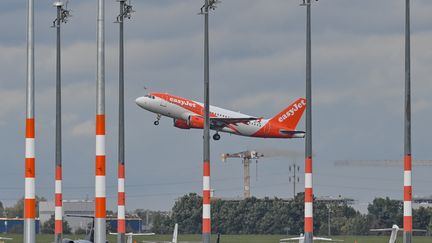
<point x="383" y="163"/>
<point x="246" y="157"/>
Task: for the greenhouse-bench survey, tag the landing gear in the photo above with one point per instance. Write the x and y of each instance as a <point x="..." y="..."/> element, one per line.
<point x="216" y="136"/>
<point x="158" y="117"/>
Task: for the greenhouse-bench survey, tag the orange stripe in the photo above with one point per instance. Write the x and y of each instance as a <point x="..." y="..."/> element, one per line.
<point x="30" y="128"/>
<point x="121" y="226"/>
<point x="407" y="162"/>
<point x="100" y="207"/>
<point x="100" y="165"/>
<point x="121" y="198"/>
<point x="121" y="171"/>
<point x="308" y="225"/>
<point x="29" y="208"/>
<point x="100" y="124"/>
<point x="206" y="197"/>
<point x="308" y="195"/>
<point x="58" y="199"/>
<point x="206" y="226"/>
<point x="30" y="168"/>
<point x="407" y="224"/>
<point x="206" y="168"/>
<point x="58" y="175"/>
<point x="308" y="165"/>
<point x="407" y="193"/>
<point x="58" y="227"/>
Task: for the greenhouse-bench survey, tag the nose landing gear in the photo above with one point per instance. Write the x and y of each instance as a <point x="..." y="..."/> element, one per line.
<point x="158" y="117"/>
<point x="216" y="136"/>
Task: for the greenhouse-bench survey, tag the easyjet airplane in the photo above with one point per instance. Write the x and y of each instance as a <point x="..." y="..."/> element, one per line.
<point x="189" y="114"/>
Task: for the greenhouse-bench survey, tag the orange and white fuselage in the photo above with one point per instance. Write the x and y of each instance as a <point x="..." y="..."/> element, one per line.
<point x="189" y="114"/>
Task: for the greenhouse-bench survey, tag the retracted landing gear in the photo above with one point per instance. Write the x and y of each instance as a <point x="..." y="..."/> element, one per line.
<point x="158" y="117"/>
<point x="216" y="136"/>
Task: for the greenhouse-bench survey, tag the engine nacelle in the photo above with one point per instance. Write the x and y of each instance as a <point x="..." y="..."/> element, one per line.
<point x="182" y="124"/>
<point x="196" y="122"/>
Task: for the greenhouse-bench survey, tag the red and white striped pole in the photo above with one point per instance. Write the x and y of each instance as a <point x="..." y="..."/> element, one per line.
<point x="30" y="170"/>
<point x="308" y="194"/>
<point x="407" y="236"/>
<point x="206" y="216"/>
<point x="58" y="214"/>
<point x="100" y="187"/>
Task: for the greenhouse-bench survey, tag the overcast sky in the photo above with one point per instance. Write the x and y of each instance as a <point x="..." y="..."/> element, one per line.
<point x="257" y="67"/>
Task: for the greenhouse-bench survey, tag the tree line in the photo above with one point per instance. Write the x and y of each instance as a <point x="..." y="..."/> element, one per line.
<point x="278" y="216"/>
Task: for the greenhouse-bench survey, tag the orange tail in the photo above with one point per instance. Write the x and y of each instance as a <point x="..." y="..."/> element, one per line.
<point x="291" y="115"/>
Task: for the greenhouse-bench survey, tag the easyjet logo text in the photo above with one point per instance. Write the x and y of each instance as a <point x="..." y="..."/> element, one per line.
<point x="292" y="111"/>
<point x="182" y="102"/>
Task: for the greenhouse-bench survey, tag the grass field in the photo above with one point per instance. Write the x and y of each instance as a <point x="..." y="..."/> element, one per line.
<point x="231" y="238"/>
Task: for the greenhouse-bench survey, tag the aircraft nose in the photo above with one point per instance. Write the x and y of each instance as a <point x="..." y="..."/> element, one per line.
<point x="141" y="101"/>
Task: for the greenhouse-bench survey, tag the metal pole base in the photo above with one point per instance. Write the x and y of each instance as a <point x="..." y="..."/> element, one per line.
<point x="121" y="238"/>
<point x="100" y="230"/>
<point x="58" y="238"/>
<point x="29" y="231"/>
<point x="407" y="237"/>
<point x="206" y="238"/>
<point x="308" y="238"/>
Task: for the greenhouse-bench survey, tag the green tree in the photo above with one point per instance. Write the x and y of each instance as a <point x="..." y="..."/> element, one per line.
<point x="48" y="226"/>
<point x="384" y="212"/>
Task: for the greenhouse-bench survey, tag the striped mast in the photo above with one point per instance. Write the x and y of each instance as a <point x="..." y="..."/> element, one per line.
<point x="30" y="173"/>
<point x="308" y="194"/>
<point x="62" y="14"/>
<point x="100" y="194"/>
<point x="125" y="11"/>
<point x="407" y="235"/>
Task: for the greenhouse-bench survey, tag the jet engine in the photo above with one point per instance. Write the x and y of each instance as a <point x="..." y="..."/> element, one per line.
<point x="191" y="122"/>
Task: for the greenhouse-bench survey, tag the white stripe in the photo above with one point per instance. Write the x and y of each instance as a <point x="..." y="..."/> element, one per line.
<point x="121" y="212"/>
<point x="308" y="210"/>
<point x="308" y="180"/>
<point x="58" y="186"/>
<point x="206" y="183"/>
<point x="407" y="178"/>
<point x="30" y="148"/>
<point x="29" y="188"/>
<point x="100" y="186"/>
<point x="121" y="185"/>
<point x="407" y="208"/>
<point x="58" y="213"/>
<point x="100" y="144"/>
<point x="206" y="211"/>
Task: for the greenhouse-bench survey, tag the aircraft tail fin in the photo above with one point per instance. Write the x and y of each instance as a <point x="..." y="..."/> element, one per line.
<point x="175" y="233"/>
<point x="291" y="115"/>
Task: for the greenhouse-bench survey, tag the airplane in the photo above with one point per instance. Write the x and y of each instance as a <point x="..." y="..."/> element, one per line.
<point x="300" y="239"/>
<point x="174" y="238"/>
<point x="394" y="231"/>
<point x="90" y="235"/>
<point x="131" y="235"/>
<point x="189" y="114"/>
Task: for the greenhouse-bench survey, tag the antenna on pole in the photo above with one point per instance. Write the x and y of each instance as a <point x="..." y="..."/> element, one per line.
<point x="62" y="17"/>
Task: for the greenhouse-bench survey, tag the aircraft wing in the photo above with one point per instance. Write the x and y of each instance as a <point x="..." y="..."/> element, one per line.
<point x="221" y="122"/>
<point x="381" y="230"/>
<point x="325" y="239"/>
<point x="5" y="238"/>
<point x="293" y="239"/>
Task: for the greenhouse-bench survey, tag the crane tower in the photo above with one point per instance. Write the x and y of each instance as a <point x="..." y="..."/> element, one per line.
<point x="246" y="157"/>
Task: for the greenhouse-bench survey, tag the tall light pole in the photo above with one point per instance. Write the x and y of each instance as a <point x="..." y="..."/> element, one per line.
<point x="206" y="215"/>
<point x="125" y="12"/>
<point x="30" y="173"/>
<point x="62" y="16"/>
<point x="407" y="236"/>
<point x="308" y="194"/>
<point x="100" y="172"/>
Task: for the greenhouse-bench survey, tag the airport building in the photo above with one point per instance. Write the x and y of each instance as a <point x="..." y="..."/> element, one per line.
<point x="15" y="225"/>
<point x="77" y="207"/>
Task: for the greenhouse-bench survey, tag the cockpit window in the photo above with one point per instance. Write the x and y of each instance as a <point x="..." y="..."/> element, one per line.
<point x="150" y="96"/>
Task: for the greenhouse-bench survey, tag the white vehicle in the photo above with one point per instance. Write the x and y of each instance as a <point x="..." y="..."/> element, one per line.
<point x="300" y="239"/>
<point x="394" y="231"/>
<point x="130" y="236"/>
